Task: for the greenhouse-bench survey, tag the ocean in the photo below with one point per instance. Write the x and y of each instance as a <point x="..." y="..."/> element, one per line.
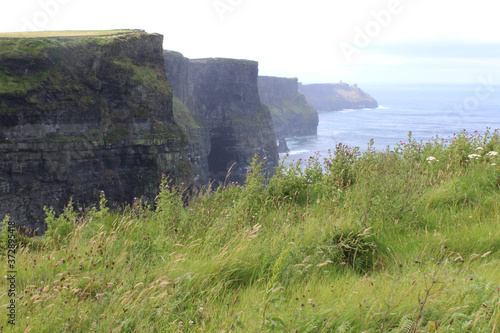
<point x="425" y="110"/>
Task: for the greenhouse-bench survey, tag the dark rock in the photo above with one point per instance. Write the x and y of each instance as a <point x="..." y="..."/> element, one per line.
<point x="223" y="99"/>
<point x="81" y="115"/>
<point x="282" y="146"/>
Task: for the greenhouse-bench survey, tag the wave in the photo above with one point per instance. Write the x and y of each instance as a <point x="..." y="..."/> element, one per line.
<point x="381" y="107"/>
<point x="296" y="152"/>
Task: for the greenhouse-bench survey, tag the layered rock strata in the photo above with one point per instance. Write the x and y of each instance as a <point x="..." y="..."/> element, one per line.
<point x="223" y="99"/>
<point x="81" y="115"/>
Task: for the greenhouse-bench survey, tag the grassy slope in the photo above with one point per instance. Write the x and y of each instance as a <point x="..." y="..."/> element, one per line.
<point x="69" y="33"/>
<point x="372" y="242"/>
<point x="182" y="115"/>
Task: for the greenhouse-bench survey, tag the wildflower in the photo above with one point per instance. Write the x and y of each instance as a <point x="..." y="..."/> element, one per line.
<point x="476" y="156"/>
<point x="431" y="158"/>
<point x="102" y="192"/>
<point x="492" y="153"/>
<point x="166" y="186"/>
<point x="493" y="164"/>
<point x="135" y="198"/>
<point x="480" y="148"/>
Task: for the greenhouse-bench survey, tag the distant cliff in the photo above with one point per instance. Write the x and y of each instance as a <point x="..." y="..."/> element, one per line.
<point x="232" y="123"/>
<point x="335" y="97"/>
<point x="292" y="115"/>
<point x="80" y="115"/>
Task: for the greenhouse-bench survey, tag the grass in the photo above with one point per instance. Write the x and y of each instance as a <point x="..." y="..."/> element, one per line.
<point x="366" y="241"/>
<point x="19" y="85"/>
<point x="69" y="33"/>
<point x="288" y="108"/>
<point x="183" y="116"/>
<point x="144" y="75"/>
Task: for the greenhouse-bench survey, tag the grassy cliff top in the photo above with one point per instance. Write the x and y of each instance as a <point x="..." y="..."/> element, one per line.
<point x="68" y="33"/>
<point x="397" y="241"/>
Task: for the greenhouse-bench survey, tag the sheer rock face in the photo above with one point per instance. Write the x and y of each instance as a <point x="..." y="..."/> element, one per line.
<point x="336" y="97"/>
<point x="83" y="115"/>
<point x="222" y="96"/>
<point x="292" y="115"/>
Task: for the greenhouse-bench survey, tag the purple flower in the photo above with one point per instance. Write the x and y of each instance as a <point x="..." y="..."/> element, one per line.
<point x="102" y="192"/>
<point x="135" y="198"/>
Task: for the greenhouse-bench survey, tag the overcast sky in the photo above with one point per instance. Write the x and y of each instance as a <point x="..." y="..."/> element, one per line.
<point x="357" y="41"/>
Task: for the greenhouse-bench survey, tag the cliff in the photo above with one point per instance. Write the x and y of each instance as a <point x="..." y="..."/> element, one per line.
<point x="84" y="114"/>
<point x="335" y="97"/>
<point x="292" y="115"/>
<point x="222" y="97"/>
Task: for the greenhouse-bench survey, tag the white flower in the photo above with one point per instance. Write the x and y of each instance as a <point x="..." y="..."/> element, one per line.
<point x="476" y="156"/>
<point x="431" y="158"/>
<point x="493" y="164"/>
<point x="492" y="153"/>
<point x="480" y="148"/>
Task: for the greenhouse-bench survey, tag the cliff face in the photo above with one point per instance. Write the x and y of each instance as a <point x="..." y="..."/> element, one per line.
<point x="222" y="96"/>
<point x="335" y="97"/>
<point x="84" y="115"/>
<point x="292" y="115"/>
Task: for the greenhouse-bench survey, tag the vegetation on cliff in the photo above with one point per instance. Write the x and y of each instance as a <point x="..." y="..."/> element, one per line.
<point x="305" y="113"/>
<point x="291" y="114"/>
<point x="397" y="241"/>
<point x="83" y="111"/>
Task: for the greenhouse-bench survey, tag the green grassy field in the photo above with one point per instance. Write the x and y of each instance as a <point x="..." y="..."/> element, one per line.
<point x="69" y="33"/>
<point x="399" y="241"/>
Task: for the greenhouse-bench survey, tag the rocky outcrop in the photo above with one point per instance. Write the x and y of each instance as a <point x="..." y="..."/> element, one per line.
<point x="82" y="115"/>
<point x="292" y="115"/>
<point x="222" y="97"/>
<point x="335" y="97"/>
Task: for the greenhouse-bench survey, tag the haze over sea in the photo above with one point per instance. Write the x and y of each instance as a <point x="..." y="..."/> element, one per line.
<point x="425" y="110"/>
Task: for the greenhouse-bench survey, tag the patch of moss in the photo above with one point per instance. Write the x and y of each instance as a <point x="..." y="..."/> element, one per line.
<point x="183" y="116"/>
<point x="6" y="110"/>
<point x="58" y="138"/>
<point x="6" y="140"/>
<point x="290" y="108"/>
<point x="117" y="134"/>
<point x="144" y="75"/>
<point x="171" y="131"/>
<point x="19" y="85"/>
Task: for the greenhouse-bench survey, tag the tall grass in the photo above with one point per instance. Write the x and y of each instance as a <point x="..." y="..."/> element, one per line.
<point x="398" y="241"/>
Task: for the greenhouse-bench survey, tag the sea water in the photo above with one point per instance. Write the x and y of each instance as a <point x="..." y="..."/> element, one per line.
<point x="426" y="111"/>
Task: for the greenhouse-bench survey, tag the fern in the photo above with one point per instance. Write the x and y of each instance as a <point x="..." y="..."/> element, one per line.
<point x="406" y="325"/>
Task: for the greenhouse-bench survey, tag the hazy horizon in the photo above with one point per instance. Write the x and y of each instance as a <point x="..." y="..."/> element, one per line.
<point x="363" y="42"/>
